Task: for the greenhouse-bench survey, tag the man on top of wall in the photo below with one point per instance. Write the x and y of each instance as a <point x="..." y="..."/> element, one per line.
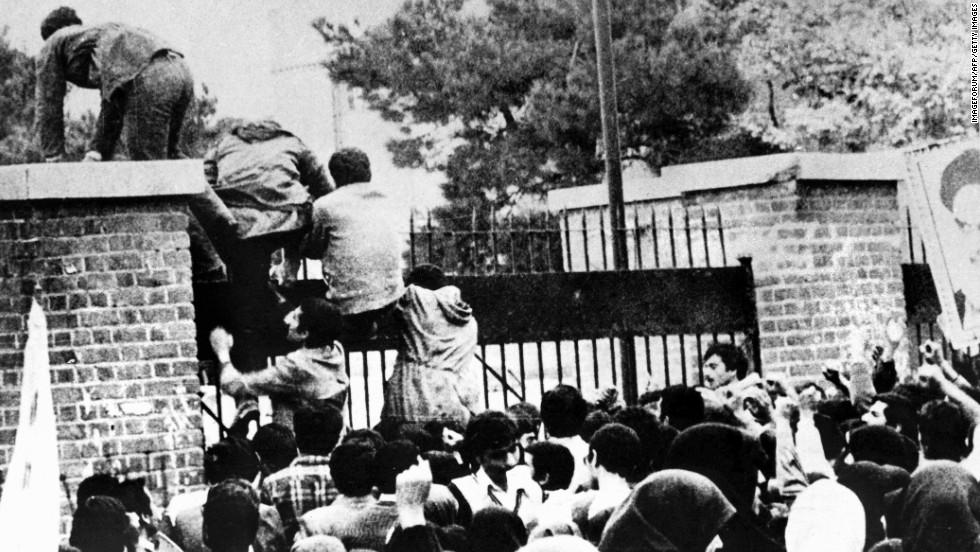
<point x="361" y="252"/>
<point x="145" y="84"/>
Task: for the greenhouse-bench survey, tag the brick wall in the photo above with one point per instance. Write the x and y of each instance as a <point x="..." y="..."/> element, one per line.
<point x="113" y="277"/>
<point x="826" y="252"/>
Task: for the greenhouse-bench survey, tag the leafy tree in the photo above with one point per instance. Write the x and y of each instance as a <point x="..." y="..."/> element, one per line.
<point x="517" y="91"/>
<point x="844" y="75"/>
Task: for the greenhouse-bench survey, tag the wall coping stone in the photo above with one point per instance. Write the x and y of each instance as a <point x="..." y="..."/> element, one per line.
<point x="677" y="180"/>
<point x="114" y="179"/>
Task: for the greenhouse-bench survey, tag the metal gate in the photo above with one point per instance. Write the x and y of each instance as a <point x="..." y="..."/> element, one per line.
<point x="542" y="324"/>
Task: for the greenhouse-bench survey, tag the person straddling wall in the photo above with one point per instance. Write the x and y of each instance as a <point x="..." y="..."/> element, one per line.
<point x="263" y="180"/>
<point x="145" y="84"/>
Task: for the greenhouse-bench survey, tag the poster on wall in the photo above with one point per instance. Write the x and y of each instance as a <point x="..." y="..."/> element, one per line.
<point x="944" y="195"/>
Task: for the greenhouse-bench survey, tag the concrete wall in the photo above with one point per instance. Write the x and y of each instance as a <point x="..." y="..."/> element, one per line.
<point x="104" y="248"/>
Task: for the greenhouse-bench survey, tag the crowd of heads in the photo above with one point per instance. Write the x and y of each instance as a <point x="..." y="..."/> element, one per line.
<point x="679" y="471"/>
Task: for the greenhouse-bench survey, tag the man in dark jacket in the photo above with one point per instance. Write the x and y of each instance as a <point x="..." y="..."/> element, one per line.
<point x="146" y="87"/>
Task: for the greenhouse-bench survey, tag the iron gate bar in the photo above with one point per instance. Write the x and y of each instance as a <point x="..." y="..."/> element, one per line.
<point x="704" y="236"/>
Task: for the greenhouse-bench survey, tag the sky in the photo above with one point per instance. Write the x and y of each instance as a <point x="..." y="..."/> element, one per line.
<point x="258" y="58"/>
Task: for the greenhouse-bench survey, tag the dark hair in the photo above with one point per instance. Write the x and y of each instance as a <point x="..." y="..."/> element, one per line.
<point x="593" y="422"/>
<point x="321" y="320"/>
<point x="276" y="446"/>
<point x="650" y="397"/>
<point x="368" y="437"/>
<point x="231" y="516"/>
<point x="58" y="19"/>
<point x="100" y="524"/>
<point x="899" y="410"/>
<point x="428" y="276"/>
<point x="488" y="431"/>
<point x="527" y="416"/>
<point x="352" y="467"/>
<point x="944" y="430"/>
<point x="348" y="166"/>
<point x="230" y="458"/>
<point x="318" y="430"/>
<point x="732" y="356"/>
<point x="554" y="461"/>
<point x="962" y="171"/>
<point x="563" y="411"/>
<point x="618" y="449"/>
<point x="682" y="407"/>
<point x="100" y="484"/>
<point x="655" y="438"/>
<point x="132" y="494"/>
<point x="392" y="459"/>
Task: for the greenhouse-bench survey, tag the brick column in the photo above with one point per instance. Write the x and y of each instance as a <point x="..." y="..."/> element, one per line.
<point x="104" y="248"/>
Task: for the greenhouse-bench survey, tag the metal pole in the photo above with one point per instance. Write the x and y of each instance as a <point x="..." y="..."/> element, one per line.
<point x="614" y="176"/>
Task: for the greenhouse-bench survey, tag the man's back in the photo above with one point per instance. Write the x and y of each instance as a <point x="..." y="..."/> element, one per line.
<point x="188" y="535"/>
<point x="354" y="236"/>
<point x="303" y="486"/>
<point x="360" y="522"/>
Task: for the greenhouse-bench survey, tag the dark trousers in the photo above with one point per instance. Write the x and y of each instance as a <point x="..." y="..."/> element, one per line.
<point x="150" y="109"/>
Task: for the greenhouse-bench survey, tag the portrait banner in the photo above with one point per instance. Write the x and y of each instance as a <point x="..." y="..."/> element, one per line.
<point x="944" y="197"/>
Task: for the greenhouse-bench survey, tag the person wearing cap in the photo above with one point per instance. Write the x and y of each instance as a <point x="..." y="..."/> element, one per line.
<point x="146" y="87"/>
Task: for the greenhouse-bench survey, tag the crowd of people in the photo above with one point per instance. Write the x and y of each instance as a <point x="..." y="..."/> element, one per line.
<point x="875" y="458"/>
<point x="741" y="463"/>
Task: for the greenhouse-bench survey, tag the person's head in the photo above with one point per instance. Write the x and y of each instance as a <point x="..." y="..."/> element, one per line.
<point x="491" y="440"/>
<point x="368" y="437"/>
<point x="317" y="430"/>
<point x="230" y="458"/>
<point x="826" y="516"/>
<point x="496" y="529"/>
<point x="100" y="484"/>
<point x="231" y="516"/>
<point x="100" y="524"/>
<point x="655" y="438"/>
<point x="276" y="446"/>
<point x="596" y="420"/>
<point x="349" y="166"/>
<point x="731" y="458"/>
<point x="944" y="431"/>
<point x="724" y="363"/>
<point x="882" y="445"/>
<point x="895" y="411"/>
<point x="427" y="276"/>
<point x="682" y="407"/>
<point x="670" y="510"/>
<point x="651" y="400"/>
<point x="563" y="411"/>
<point x="314" y="323"/>
<point x="959" y="191"/>
<point x="392" y="459"/>
<point x="615" y="449"/>
<point x="57" y="20"/>
<point x="352" y="467"/>
<point x="552" y="465"/>
<point x="528" y="419"/>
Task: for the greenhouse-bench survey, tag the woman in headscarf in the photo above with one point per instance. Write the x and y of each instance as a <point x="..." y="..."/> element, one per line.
<point x="871" y="482"/>
<point x="669" y="511"/>
<point x="727" y="456"/>
<point x="940" y="511"/>
<point x="883" y="446"/>
<point x="731" y="459"/>
<point x="826" y="516"/>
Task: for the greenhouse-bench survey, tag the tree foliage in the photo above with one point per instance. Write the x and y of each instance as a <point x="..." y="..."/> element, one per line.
<point x="844" y="75"/>
<point x="517" y="91"/>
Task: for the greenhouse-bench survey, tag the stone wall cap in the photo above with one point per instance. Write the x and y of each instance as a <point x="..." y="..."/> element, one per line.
<point x="677" y="180"/>
<point x="101" y="180"/>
